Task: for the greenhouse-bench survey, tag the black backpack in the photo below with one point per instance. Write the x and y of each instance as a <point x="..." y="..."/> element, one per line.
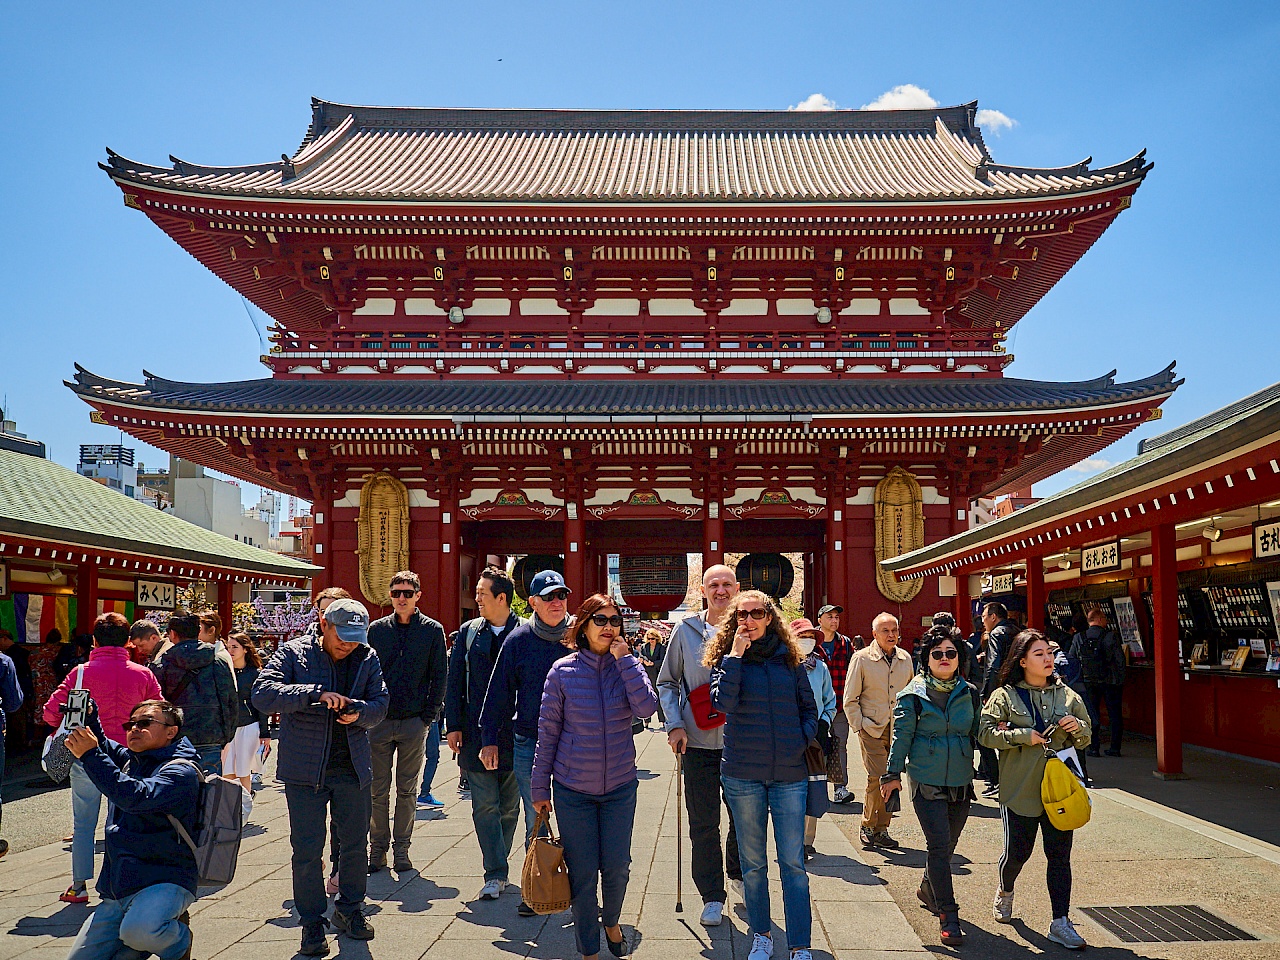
<point x="1093" y="665"/>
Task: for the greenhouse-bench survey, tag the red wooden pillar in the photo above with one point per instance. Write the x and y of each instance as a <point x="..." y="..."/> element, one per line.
<point x="322" y="537"/>
<point x="575" y="530"/>
<point x="226" y="594"/>
<point x="450" y="604"/>
<point x="1164" y="598"/>
<point x="712" y="534"/>
<point x="835" y="545"/>
<point x="86" y="597"/>
<point x="1035" y="593"/>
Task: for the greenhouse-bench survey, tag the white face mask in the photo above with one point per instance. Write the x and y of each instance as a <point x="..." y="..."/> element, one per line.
<point x="806" y="645"/>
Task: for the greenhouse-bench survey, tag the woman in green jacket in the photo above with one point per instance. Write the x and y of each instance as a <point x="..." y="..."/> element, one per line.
<point x="935" y="720"/>
<point x="1031" y="709"/>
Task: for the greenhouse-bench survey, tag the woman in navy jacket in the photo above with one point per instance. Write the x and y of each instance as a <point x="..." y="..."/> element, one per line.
<point x="585" y="746"/>
<point x="758" y="681"/>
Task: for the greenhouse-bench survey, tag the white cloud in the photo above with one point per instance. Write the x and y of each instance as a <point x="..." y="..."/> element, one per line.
<point x="815" y="101"/>
<point x="1092" y="465"/>
<point x="993" y="121"/>
<point x="906" y="96"/>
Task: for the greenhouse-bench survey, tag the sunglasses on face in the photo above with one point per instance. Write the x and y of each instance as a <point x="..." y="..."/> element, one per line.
<point x="403" y="594"/>
<point x="555" y="595"/>
<point x="753" y="614"/>
<point x="600" y="620"/>
<point x="944" y="654"/>
<point x="142" y="723"/>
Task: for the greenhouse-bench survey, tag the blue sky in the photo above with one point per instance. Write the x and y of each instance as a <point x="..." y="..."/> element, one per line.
<point x="1186" y="274"/>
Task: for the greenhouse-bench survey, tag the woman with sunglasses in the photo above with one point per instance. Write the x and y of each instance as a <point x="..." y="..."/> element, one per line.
<point x="1032" y="709"/>
<point x="935" y="723"/>
<point x="585" y="747"/>
<point x="759" y="682"/>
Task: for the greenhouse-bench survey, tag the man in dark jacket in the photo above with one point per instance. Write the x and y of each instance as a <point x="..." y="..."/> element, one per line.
<point x="192" y="676"/>
<point x="10" y="701"/>
<point x="149" y="875"/>
<point x="515" y="689"/>
<point x="411" y="651"/>
<point x="1102" y="666"/>
<point x="329" y="694"/>
<point x="1000" y="633"/>
<point x="495" y="795"/>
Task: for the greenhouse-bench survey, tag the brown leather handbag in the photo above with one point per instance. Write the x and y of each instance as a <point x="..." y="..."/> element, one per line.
<point x="544" y="881"/>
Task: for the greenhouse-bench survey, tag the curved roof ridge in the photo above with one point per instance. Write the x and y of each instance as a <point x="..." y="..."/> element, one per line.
<point x="118" y="163"/>
<point x="1212" y="419"/>
<point x="1081" y="169"/>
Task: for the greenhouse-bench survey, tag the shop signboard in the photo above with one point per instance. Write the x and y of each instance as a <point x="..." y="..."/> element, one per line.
<point x="1266" y="540"/>
<point x="1100" y="558"/>
<point x="1002" y="583"/>
<point x="155" y="595"/>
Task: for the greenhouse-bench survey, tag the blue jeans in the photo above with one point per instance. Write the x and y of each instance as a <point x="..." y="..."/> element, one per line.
<point x="139" y="925"/>
<point x="495" y="808"/>
<point x="309" y="811"/>
<point x="753" y="803"/>
<point x="596" y="833"/>
<point x="523" y="769"/>
<point x="210" y="758"/>
<point x="86" y="801"/>
<point x="432" y="762"/>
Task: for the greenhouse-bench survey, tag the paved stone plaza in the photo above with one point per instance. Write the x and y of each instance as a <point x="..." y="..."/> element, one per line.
<point x="1135" y="852"/>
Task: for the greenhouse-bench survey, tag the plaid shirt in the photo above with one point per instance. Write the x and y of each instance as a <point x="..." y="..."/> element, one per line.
<point x="837" y="662"/>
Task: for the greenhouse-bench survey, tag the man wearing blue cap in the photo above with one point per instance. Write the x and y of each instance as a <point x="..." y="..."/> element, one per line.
<point x="516" y="687"/>
<point x="329" y="692"/>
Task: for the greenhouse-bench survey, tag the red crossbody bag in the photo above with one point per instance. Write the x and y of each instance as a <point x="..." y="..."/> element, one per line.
<point x="705" y="714"/>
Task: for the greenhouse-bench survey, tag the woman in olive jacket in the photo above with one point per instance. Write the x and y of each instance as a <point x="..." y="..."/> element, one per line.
<point x="935" y="722"/>
<point x="1031" y="709"/>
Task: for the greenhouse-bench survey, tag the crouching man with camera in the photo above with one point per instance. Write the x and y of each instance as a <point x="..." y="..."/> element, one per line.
<point x="328" y="691"/>
<point x="148" y="877"/>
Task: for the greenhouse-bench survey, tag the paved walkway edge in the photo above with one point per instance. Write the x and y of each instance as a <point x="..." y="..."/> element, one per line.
<point x="1256" y="848"/>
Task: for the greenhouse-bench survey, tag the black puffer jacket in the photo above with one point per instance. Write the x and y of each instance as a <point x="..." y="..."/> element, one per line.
<point x="471" y="661"/>
<point x="290" y="684"/>
<point x="194" y="678"/>
<point x="771" y="712"/>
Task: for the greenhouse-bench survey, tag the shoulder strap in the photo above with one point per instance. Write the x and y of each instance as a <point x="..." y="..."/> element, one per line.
<point x="177" y="824"/>
<point x="1036" y="719"/>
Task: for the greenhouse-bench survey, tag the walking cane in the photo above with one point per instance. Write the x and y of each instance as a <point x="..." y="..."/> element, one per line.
<point x="679" y="828"/>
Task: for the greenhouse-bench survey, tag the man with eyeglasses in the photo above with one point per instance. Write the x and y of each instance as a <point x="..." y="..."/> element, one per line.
<point x="514" y="699"/>
<point x="877" y="673"/>
<point x="149" y="874"/>
<point x="411" y="649"/>
<point x="681" y="673"/>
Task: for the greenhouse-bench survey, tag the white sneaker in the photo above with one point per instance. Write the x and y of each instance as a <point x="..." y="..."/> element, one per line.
<point x="1002" y="906"/>
<point x="739" y="890"/>
<point x="492" y="889"/>
<point x="761" y="948"/>
<point x="712" y="914"/>
<point x="1063" y="932"/>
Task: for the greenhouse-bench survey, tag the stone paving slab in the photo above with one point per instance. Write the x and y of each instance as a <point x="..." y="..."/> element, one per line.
<point x="430" y="912"/>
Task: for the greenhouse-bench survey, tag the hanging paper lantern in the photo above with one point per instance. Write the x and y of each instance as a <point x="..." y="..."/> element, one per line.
<point x="770" y="573"/>
<point x="654" y="584"/>
<point x="527" y="568"/>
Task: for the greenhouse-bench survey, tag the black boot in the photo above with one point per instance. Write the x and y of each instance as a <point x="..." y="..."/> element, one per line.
<point x="925" y="896"/>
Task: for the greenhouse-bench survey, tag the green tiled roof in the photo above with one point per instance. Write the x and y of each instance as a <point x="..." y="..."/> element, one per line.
<point x="42" y="499"/>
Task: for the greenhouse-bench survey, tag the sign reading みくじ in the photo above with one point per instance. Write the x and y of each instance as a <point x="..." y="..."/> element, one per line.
<point x="155" y="594"/>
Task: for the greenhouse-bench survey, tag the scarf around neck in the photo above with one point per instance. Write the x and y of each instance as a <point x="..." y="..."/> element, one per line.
<point x="554" y="634"/>
<point x="764" y="648"/>
<point x="943" y="686"/>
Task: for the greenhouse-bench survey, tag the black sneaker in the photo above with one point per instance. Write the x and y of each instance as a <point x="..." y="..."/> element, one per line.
<point x="403" y="864"/>
<point x="377" y="862"/>
<point x="867" y="837"/>
<point x="525" y="910"/>
<point x="883" y="840"/>
<point x="809" y="851"/>
<point x="4" y="847"/>
<point x="353" y="924"/>
<point x="314" y="942"/>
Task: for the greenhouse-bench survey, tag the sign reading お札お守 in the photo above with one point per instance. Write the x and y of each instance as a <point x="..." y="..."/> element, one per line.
<point x="155" y="594"/>
<point x="1100" y="558"/>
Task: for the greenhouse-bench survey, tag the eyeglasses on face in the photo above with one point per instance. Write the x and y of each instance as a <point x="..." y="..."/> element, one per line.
<point x="757" y="614"/>
<point x="142" y="723"/>
<point x="944" y="654"/>
<point x="403" y="594"/>
<point x="555" y="595"/>
<point x="600" y="620"/>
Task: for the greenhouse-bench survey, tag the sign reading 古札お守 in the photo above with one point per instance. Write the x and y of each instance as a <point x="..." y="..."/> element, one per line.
<point x="1266" y="540"/>
<point x="155" y="594"/>
<point x="1100" y="558"/>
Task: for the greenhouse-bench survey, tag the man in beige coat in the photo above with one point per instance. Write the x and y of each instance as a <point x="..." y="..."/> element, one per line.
<point x="876" y="673"/>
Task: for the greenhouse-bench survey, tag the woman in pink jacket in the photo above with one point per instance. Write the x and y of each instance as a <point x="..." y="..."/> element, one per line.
<point x="116" y="686"/>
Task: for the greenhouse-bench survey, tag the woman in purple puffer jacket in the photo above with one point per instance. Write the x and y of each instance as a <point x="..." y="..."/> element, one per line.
<point x="585" y="745"/>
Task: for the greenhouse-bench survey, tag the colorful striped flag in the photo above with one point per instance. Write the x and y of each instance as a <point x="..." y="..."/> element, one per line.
<point x="36" y="614"/>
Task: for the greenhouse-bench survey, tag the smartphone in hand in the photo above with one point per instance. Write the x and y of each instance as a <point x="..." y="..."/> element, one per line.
<point x="894" y="803"/>
<point x="76" y="709"/>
